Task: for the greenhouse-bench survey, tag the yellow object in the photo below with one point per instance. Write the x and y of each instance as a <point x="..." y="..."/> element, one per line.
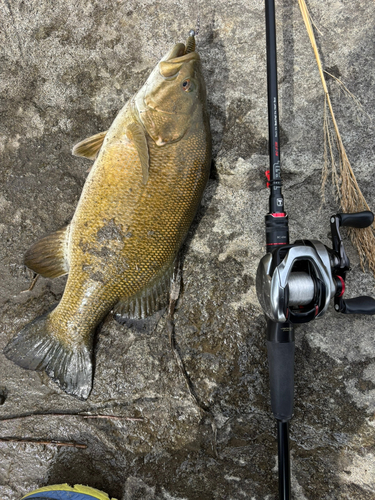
<point x="78" y="488"/>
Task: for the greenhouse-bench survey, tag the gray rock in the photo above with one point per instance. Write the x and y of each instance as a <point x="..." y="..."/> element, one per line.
<point x="67" y="68"/>
<point x="136" y="489"/>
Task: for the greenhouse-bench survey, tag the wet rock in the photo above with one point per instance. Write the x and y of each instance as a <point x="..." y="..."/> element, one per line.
<point x="136" y="489"/>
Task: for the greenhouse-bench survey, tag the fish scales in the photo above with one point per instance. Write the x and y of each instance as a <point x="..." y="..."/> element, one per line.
<point x="163" y="208"/>
<point x="134" y="212"/>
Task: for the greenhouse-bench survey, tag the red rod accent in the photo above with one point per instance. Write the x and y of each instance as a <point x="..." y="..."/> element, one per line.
<point x="268" y="176"/>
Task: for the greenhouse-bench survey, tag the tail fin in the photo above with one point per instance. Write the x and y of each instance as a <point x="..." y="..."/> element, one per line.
<point x="35" y="348"/>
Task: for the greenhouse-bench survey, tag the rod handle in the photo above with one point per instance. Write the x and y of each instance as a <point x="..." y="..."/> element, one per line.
<point x="280" y="350"/>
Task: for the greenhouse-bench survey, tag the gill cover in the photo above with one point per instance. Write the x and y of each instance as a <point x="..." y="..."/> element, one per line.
<point x="168" y="101"/>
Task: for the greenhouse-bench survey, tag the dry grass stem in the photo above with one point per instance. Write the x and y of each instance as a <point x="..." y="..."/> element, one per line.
<point x="113" y="417"/>
<point x="80" y="415"/>
<point x="42" y="442"/>
<point x="347" y="91"/>
<point x="348" y="192"/>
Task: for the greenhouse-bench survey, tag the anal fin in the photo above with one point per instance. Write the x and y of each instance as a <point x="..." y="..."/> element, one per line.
<point x="48" y="256"/>
<point x="146" y="302"/>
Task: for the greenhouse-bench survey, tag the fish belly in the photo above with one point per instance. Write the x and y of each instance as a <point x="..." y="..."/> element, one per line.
<point x="125" y="235"/>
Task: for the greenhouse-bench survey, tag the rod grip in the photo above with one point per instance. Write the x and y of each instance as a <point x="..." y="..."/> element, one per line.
<point x="280" y="349"/>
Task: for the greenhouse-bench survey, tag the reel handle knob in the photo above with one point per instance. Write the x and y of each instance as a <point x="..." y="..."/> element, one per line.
<point x="340" y="263"/>
<point x="357" y="305"/>
<point x="358" y="219"/>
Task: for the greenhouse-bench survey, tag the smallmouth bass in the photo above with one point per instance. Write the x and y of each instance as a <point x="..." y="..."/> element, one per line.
<point x="135" y="210"/>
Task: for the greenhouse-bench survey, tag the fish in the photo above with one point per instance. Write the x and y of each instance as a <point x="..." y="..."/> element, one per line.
<point x="136" y="207"/>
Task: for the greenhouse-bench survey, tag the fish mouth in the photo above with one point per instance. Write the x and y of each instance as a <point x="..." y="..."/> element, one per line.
<point x="184" y="52"/>
<point x="180" y="54"/>
<point x="171" y="67"/>
<point x="191" y="56"/>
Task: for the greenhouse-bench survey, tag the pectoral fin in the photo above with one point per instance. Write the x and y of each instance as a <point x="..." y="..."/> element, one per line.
<point x="48" y="256"/>
<point x="89" y="148"/>
<point x="136" y="133"/>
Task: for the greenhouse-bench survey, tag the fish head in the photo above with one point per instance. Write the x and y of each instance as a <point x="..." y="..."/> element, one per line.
<point x="173" y="98"/>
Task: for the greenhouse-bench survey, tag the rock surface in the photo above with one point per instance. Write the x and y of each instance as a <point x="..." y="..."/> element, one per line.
<point x="67" y="68"/>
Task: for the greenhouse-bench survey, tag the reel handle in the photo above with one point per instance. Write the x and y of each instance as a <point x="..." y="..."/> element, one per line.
<point x="358" y="219"/>
<point x="357" y="305"/>
<point x="341" y="264"/>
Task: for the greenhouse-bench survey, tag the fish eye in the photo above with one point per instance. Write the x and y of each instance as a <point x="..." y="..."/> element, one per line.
<point x="188" y="85"/>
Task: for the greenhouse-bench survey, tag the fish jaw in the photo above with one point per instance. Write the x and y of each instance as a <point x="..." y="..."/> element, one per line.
<point x="164" y="108"/>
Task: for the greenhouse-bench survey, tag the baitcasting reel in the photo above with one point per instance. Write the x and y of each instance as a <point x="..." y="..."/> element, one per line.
<point x="295" y="283"/>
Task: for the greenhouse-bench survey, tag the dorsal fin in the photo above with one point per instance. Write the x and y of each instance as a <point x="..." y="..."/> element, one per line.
<point x="136" y="133"/>
<point x="48" y="256"/>
<point x="89" y="148"/>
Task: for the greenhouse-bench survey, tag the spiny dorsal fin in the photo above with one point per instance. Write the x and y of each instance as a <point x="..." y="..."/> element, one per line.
<point x="48" y="256"/>
<point x="89" y="148"/>
<point x="136" y="133"/>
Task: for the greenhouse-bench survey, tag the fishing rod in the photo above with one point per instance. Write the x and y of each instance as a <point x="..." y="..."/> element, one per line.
<point x="295" y="282"/>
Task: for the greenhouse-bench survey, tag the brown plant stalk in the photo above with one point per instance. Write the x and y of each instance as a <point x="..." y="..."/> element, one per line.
<point x="348" y="191"/>
<point x="43" y="442"/>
